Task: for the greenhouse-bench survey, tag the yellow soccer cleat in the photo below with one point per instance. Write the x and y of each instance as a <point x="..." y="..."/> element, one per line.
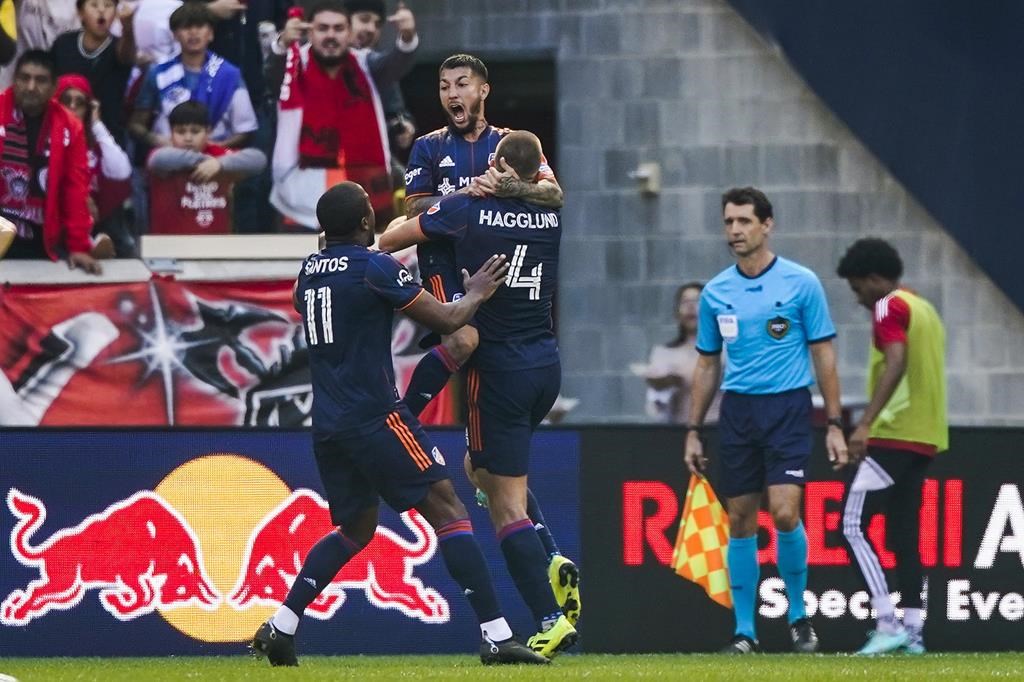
<point x="555" y="639"/>
<point x="565" y="583"/>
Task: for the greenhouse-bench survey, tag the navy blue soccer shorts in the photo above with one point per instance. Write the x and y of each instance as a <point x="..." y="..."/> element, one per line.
<point x="504" y="410"/>
<point x="396" y="462"/>
<point x="764" y="440"/>
<point x="440" y="276"/>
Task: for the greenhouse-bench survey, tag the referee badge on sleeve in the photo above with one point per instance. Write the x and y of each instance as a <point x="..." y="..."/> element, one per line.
<point x="728" y="327"/>
<point x="778" y="327"/>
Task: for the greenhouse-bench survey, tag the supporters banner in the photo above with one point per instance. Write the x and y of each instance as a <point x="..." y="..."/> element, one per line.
<point x="633" y="488"/>
<point x="164" y="542"/>
<point x="165" y="353"/>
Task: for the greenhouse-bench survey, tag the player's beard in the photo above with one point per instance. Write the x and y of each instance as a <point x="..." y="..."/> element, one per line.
<point x="473" y="116"/>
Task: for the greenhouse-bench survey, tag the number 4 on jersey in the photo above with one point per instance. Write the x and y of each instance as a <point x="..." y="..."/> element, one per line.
<point x="516" y="280"/>
<point x="326" y="320"/>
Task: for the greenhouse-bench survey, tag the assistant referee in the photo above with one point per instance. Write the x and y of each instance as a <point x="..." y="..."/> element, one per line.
<point x="767" y="312"/>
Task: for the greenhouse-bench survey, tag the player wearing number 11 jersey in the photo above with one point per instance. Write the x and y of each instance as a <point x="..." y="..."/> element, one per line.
<point x="514" y="375"/>
<point x="367" y="444"/>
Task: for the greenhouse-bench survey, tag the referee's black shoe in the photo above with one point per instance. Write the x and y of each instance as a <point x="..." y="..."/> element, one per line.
<point x="741" y="644"/>
<point x="805" y="639"/>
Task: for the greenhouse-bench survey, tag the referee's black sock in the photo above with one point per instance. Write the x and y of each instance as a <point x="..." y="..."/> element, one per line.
<point x="524" y="555"/>
<point x="429" y="378"/>
<point x="540" y="525"/>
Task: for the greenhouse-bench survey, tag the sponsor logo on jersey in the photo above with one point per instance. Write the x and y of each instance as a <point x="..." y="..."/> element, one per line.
<point x="778" y="327"/>
<point x="446" y="162"/>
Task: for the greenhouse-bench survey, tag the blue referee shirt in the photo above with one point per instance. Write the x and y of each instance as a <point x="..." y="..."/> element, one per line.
<point x="765" y="324"/>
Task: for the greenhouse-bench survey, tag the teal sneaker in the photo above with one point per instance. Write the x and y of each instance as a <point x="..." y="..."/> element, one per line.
<point x="915" y="647"/>
<point x="884" y="642"/>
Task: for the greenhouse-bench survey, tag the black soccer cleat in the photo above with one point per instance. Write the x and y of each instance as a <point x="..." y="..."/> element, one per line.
<point x="509" y="652"/>
<point x="741" y="644"/>
<point x="278" y="647"/>
<point x="805" y="639"/>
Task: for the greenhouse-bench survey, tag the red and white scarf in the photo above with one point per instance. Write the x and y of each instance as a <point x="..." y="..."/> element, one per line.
<point x="328" y="130"/>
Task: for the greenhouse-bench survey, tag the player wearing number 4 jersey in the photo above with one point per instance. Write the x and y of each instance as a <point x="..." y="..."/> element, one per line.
<point x="367" y="444"/>
<point x="514" y="374"/>
<point x="457" y="160"/>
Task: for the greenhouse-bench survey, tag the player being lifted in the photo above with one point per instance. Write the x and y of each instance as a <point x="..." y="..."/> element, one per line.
<point x="366" y="442"/>
<point x="456" y="159"/>
<point x="515" y="374"/>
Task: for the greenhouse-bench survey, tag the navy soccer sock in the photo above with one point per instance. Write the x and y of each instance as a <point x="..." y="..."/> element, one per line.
<point x="540" y="525"/>
<point x="322" y="563"/>
<point x="429" y="378"/>
<point x="524" y="555"/>
<point x="466" y="565"/>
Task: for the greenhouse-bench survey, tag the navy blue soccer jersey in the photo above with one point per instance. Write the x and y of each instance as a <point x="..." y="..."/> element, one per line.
<point x="515" y="325"/>
<point x="347" y="295"/>
<point x="442" y="162"/>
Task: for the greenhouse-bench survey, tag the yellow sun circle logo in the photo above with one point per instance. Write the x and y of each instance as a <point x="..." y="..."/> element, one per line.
<point x="222" y="497"/>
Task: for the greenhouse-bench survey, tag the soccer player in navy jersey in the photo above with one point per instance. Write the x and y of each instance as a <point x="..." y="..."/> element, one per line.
<point x="514" y="375"/>
<point x="457" y="159"/>
<point x="772" y="316"/>
<point x="366" y="442"/>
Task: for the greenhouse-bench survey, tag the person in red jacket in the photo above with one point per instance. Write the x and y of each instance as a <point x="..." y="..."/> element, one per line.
<point x="44" y="176"/>
<point x="192" y="181"/>
<point x="110" y="169"/>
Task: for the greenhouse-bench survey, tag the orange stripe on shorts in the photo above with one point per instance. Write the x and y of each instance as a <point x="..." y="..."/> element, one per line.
<point x="407" y="440"/>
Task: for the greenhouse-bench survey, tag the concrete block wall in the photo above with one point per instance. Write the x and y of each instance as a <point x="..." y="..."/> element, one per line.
<point x="688" y="84"/>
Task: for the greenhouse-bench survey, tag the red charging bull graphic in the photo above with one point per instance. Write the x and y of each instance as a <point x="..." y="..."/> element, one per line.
<point x="139" y="553"/>
<point x="383" y="570"/>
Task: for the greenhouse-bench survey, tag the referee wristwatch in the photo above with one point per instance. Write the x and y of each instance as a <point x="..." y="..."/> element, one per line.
<point x="699" y="428"/>
<point x="836" y="422"/>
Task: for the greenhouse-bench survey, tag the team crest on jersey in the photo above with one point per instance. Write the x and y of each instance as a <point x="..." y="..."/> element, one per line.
<point x="446" y="162"/>
<point x="778" y="327"/>
<point x="433" y="209"/>
<point x="446" y="187"/>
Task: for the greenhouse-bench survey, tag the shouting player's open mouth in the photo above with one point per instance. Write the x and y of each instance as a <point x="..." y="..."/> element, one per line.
<point x="458" y="113"/>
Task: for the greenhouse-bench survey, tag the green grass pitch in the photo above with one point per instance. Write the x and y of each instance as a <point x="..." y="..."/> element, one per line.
<point x="587" y="666"/>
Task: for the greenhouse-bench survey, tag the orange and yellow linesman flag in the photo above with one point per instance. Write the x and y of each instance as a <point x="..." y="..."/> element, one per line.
<point x="703" y="542"/>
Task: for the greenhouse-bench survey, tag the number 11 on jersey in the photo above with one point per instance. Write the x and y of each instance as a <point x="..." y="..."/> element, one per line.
<point x="516" y="280"/>
<point x="326" y="322"/>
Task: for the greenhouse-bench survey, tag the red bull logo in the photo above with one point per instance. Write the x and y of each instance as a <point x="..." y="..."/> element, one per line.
<point x="383" y="570"/>
<point x="145" y="554"/>
<point x="139" y="553"/>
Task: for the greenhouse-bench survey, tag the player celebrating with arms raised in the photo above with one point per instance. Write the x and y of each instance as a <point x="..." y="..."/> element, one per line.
<point x="515" y="373"/>
<point x="456" y="159"/>
<point x="366" y="442"/>
<point x="768" y="311"/>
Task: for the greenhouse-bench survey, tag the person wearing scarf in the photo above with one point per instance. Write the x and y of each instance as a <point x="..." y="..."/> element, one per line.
<point x="44" y="181"/>
<point x="331" y="125"/>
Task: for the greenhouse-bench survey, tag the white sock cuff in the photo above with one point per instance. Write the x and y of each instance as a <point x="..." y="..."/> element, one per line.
<point x="496" y="630"/>
<point x="285" y="620"/>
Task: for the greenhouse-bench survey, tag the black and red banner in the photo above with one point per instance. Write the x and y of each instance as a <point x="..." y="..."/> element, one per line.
<point x="165" y="353"/>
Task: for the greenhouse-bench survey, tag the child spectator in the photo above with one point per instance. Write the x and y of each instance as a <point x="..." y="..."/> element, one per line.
<point x="195" y="74"/>
<point x="110" y="170"/>
<point x="192" y="180"/>
<point x="106" y="61"/>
